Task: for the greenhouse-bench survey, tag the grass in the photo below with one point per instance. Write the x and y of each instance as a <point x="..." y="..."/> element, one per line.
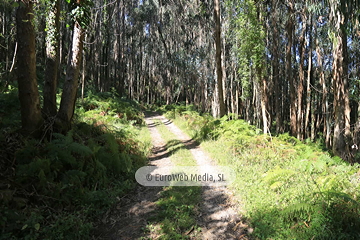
<point x="290" y="189"/>
<point x="142" y="135"/>
<point x="178" y="206"/>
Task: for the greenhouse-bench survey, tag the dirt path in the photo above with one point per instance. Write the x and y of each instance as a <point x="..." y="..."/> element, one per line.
<point x="129" y="219"/>
<point x="218" y="217"/>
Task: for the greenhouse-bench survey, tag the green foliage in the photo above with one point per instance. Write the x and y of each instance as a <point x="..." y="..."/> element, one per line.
<point x="202" y="126"/>
<point x="61" y="184"/>
<point x="290" y="190"/>
<point x="10" y="108"/>
<point x="81" y="12"/>
<point x="278" y="177"/>
<point x="249" y="36"/>
<point x="110" y="107"/>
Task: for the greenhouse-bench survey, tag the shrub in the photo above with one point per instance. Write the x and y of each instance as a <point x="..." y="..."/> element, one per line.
<point x="289" y="189"/>
<point x="54" y="188"/>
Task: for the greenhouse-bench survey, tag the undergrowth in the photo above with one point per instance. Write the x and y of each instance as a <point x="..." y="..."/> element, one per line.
<point x="57" y="187"/>
<point x="290" y="189"/>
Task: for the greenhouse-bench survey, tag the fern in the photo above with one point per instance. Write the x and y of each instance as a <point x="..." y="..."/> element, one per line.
<point x="278" y="177"/>
<point x="335" y="196"/>
<point x="64" y="149"/>
<point x="299" y="211"/>
<point x="37" y="169"/>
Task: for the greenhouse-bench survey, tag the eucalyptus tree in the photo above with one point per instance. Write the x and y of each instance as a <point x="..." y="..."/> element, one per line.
<point x="289" y="70"/>
<point x="68" y="98"/>
<point x="219" y="97"/>
<point x="52" y="56"/>
<point x="31" y="118"/>
<point x="341" y="15"/>
<point x="275" y="62"/>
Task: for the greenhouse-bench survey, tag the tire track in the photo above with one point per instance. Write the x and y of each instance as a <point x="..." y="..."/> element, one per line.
<point x="219" y="216"/>
<point x="130" y="216"/>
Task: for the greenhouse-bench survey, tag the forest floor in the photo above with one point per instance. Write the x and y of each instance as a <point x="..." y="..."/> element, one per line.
<point x="217" y="212"/>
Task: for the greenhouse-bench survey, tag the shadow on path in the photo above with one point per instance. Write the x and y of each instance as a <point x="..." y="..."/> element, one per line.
<point x="219" y="216"/>
<point x="130" y="217"/>
<point x="175" y="145"/>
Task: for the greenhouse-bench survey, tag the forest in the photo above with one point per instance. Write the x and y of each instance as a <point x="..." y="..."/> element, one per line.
<point x="77" y="76"/>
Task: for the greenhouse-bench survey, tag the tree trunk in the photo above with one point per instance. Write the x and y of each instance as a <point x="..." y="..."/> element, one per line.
<point x="275" y="66"/>
<point x="52" y="58"/>
<point x="68" y="98"/>
<point x="324" y="100"/>
<point x="341" y="138"/>
<point x="308" y="82"/>
<point x="263" y="96"/>
<point x="300" y="88"/>
<point x="289" y="31"/>
<point x="31" y="118"/>
<point x="219" y="86"/>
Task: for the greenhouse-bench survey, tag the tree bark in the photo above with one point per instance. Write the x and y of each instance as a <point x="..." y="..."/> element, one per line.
<point x="31" y="118"/>
<point x="308" y="82"/>
<point x="263" y="93"/>
<point x="219" y="97"/>
<point x="325" y="101"/>
<point x="341" y="138"/>
<point x="289" y="75"/>
<point x="52" y="58"/>
<point x="341" y="97"/>
<point x="68" y="98"/>
<point x="300" y="87"/>
<point x="276" y="71"/>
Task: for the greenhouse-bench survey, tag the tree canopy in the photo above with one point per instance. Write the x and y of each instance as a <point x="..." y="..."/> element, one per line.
<point x="284" y="66"/>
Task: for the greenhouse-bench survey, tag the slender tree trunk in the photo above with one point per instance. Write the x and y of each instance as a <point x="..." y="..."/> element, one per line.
<point x="31" y="118"/>
<point x="289" y="75"/>
<point x="325" y="100"/>
<point x="83" y="78"/>
<point x="308" y="89"/>
<point x="275" y="66"/>
<point x="341" y="138"/>
<point x="237" y="106"/>
<point x="300" y="88"/>
<point x="52" y="58"/>
<point x="232" y="89"/>
<point x="219" y="73"/>
<point x="223" y="67"/>
<point x="68" y="98"/>
<point x="263" y="92"/>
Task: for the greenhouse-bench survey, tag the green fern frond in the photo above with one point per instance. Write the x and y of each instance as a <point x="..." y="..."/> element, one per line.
<point x="336" y="196"/>
<point x="278" y="174"/>
<point x="299" y="210"/>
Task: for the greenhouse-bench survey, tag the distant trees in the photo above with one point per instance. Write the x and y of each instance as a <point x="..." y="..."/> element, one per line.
<point x="285" y="66"/>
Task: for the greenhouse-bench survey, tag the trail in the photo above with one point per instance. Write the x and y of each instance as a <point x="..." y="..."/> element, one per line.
<point x="218" y="216"/>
